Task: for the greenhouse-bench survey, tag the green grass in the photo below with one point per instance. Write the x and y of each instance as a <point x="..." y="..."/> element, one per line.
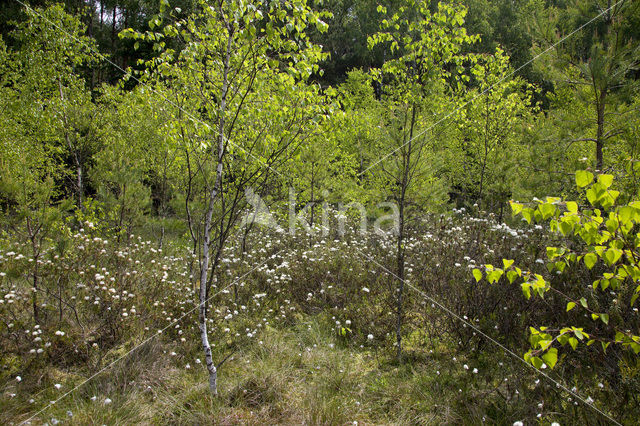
<point x="299" y="375"/>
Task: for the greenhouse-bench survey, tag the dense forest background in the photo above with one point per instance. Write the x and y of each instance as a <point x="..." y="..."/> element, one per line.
<point x="579" y="94"/>
<point x="437" y="199"/>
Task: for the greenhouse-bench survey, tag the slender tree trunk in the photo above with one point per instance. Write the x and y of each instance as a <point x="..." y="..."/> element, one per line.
<point x="600" y="110"/>
<point x="36" y="270"/>
<point x="486" y="150"/>
<point x="122" y="207"/>
<point x="34" y="295"/>
<point x="313" y="184"/>
<point x="162" y="210"/>
<point x="73" y="150"/>
<point x="211" y="368"/>
<point x="113" y="29"/>
<point x="400" y="273"/>
<point x="90" y="25"/>
<point x="60" y="301"/>
<point x="601" y="95"/>
<point x="79" y="183"/>
<point x="125" y="25"/>
<point x="187" y="198"/>
<point x="361" y="163"/>
<point x="244" y="248"/>
<point x="100" y="29"/>
<point x="400" y="241"/>
<point x="92" y="9"/>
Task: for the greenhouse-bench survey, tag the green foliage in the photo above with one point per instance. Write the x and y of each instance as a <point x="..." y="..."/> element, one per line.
<point x="493" y="116"/>
<point x="46" y="111"/>
<point x="426" y="41"/>
<point x="224" y="99"/>
<point x="426" y="65"/>
<point x="592" y="71"/>
<point x="130" y="162"/>
<point x="602" y="234"/>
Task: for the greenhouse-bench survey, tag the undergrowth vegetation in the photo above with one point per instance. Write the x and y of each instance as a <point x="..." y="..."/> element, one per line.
<point x="303" y="212"/>
<point x="305" y="325"/>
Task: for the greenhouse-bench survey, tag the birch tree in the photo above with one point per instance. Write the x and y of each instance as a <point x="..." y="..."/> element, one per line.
<point x="429" y="58"/>
<point x="491" y="126"/>
<point x="44" y="106"/>
<point x="240" y="106"/>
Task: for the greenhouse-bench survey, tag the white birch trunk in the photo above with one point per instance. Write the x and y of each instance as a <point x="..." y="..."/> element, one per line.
<point x="203" y="297"/>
